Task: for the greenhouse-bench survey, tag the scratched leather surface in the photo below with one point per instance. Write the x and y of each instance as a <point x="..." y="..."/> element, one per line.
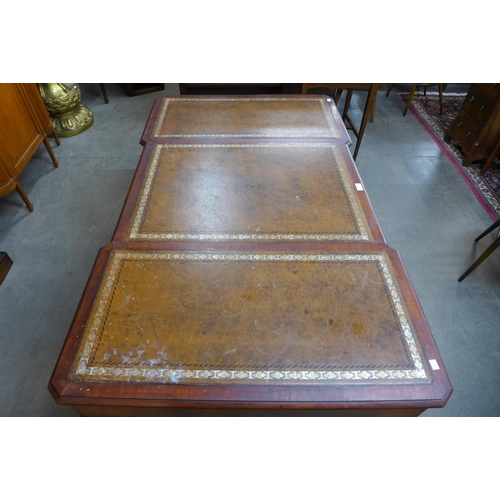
<point x="263" y="192"/>
<point x="217" y="317"/>
<point x="246" y="117"/>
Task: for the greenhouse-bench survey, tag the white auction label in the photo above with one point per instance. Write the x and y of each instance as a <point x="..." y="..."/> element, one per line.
<point x="434" y="364"/>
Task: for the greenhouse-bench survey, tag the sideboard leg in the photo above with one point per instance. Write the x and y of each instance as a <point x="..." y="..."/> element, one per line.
<point x="23" y="195"/>
<point x="51" y="153"/>
<point x="56" y="138"/>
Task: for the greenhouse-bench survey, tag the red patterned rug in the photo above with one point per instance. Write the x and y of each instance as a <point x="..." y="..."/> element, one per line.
<point x="426" y="110"/>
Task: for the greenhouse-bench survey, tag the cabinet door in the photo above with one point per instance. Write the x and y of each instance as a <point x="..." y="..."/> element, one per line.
<point x="20" y="134"/>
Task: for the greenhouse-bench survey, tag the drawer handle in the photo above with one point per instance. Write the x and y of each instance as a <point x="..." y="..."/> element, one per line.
<point x="481" y="108"/>
<point x="468" y="134"/>
<point x="472" y="99"/>
<point x="459" y="124"/>
<point x="493" y="85"/>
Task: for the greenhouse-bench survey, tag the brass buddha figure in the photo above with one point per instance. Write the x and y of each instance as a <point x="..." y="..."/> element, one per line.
<point x="63" y="101"/>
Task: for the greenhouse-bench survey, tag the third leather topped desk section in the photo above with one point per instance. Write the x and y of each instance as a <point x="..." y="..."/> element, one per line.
<point x="268" y="118"/>
<point x="248" y="275"/>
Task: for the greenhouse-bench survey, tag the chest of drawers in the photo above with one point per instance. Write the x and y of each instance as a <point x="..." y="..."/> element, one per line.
<point x="477" y="125"/>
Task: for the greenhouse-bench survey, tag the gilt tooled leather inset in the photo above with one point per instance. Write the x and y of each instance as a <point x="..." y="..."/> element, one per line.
<point x="242" y="192"/>
<point x="240" y="117"/>
<point x="240" y="318"/>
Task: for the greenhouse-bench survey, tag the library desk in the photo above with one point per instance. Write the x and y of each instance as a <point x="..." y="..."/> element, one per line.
<point x="248" y="275"/>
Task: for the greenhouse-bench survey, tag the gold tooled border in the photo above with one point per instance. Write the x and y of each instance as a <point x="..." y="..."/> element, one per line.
<point x="84" y="372"/>
<point x="135" y="230"/>
<point x="333" y="131"/>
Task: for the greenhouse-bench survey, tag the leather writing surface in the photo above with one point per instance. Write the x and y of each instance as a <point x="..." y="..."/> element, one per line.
<point x="245" y="192"/>
<point x="239" y="117"/>
<point x="232" y="317"/>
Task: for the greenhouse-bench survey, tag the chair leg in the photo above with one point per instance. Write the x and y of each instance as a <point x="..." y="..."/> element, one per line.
<point x="481" y="258"/>
<point x="441" y="98"/>
<point x="410" y="98"/>
<point x="389" y="89"/>
<point x="337" y="95"/>
<point x="103" y="89"/>
<point x="347" y="103"/>
<point x="372" y="108"/>
<point x="493" y="226"/>
<point x="368" y="106"/>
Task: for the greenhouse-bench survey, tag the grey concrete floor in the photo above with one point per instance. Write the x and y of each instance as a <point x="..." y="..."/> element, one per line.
<point x="425" y="209"/>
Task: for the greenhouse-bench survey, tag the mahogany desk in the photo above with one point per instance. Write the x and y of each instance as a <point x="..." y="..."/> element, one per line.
<point x="248" y="275"/>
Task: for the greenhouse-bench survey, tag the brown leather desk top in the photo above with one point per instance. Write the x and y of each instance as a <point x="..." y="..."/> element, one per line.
<point x="247" y="276"/>
<point x="247" y="192"/>
<point x="239" y="318"/>
<point x="262" y="117"/>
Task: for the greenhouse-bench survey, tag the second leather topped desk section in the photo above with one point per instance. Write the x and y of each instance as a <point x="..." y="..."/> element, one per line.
<point x="239" y="192"/>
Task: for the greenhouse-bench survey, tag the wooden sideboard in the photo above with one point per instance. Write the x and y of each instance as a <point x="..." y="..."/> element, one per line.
<point x="24" y="125"/>
<point x="477" y="125"/>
